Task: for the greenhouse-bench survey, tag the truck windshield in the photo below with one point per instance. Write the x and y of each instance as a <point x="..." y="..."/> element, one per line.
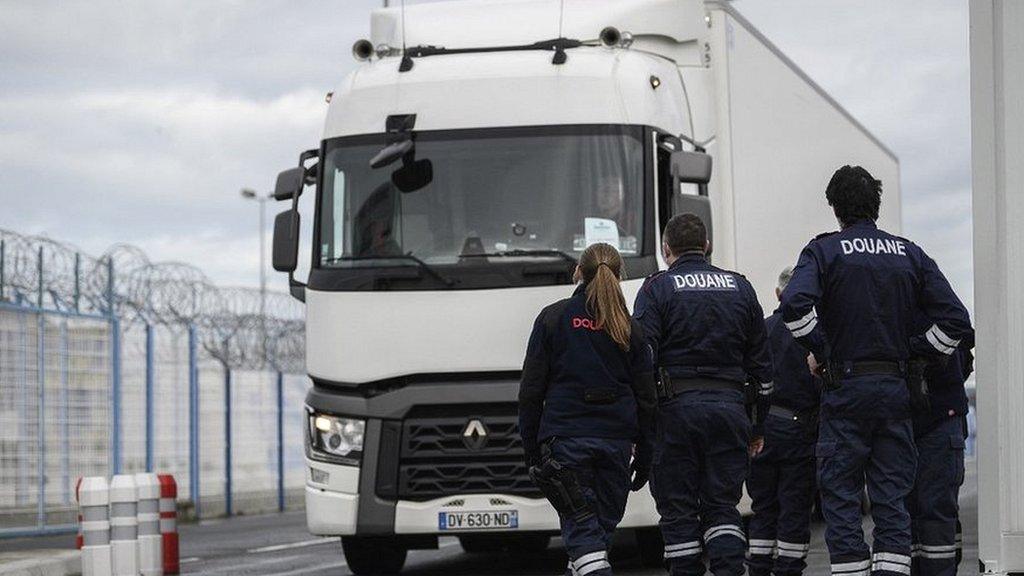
<point x="523" y="192"/>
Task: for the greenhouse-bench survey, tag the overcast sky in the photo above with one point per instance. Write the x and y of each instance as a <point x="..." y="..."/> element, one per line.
<point x="139" y="121"/>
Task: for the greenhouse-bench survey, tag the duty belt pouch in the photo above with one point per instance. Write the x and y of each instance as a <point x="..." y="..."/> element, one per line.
<point x="561" y="487"/>
<point x="664" y="384"/>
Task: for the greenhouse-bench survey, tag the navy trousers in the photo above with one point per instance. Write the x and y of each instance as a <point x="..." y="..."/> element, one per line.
<point x="700" y="463"/>
<point x="934" y="508"/>
<point x="602" y="467"/>
<point x="880" y="453"/>
<point x="781" y="487"/>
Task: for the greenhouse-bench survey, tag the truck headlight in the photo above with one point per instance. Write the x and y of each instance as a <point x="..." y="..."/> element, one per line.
<point x="335" y="438"/>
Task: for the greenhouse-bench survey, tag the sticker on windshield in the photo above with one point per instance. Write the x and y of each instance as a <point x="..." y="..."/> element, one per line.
<point x="601" y="230"/>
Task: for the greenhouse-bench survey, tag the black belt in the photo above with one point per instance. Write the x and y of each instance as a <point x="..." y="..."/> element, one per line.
<point x="869" y="368"/>
<point x="671" y="387"/>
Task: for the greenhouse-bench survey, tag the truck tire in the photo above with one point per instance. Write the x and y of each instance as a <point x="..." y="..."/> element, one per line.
<point x="651" y="546"/>
<point x="373" y="555"/>
<point x="490" y="543"/>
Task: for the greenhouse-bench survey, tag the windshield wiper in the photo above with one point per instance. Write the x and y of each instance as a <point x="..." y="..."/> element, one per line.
<point x="420" y="263"/>
<point x="523" y="253"/>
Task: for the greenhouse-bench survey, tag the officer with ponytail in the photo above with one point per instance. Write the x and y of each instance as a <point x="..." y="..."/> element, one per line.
<point x="586" y="408"/>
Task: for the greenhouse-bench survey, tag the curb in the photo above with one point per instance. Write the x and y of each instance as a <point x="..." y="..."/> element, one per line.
<point x="41" y="563"/>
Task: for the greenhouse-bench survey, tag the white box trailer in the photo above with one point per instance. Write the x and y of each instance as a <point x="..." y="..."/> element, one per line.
<point x="457" y="180"/>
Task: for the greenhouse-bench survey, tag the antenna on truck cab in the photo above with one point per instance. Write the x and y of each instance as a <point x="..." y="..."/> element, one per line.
<point x="560" y="41"/>
<point x="406" y="64"/>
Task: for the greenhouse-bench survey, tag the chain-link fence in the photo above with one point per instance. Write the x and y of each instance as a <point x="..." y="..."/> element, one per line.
<point x="116" y="364"/>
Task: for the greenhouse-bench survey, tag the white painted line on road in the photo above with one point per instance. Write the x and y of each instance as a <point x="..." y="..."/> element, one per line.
<point x="309" y="569"/>
<point x="300" y="544"/>
<point x="189" y="560"/>
<point x="448" y="543"/>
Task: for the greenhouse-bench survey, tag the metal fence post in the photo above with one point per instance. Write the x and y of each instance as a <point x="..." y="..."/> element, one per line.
<point x="149" y="397"/>
<point x="115" y="372"/>
<point x="41" y="406"/>
<point x="21" y="484"/>
<point x="3" y="266"/>
<point x="65" y="412"/>
<point x="280" y="441"/>
<point x="193" y="421"/>
<point x="78" y="280"/>
<point x="227" y="440"/>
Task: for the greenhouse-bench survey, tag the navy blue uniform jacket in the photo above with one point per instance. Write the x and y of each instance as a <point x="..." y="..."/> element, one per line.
<point x="856" y="295"/>
<point x="705" y="322"/>
<point x="795" y="387"/>
<point x="577" y="382"/>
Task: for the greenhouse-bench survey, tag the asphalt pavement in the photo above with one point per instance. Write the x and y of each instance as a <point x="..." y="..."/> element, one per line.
<point x="278" y="545"/>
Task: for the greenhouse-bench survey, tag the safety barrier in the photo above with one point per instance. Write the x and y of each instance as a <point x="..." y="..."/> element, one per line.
<point x="123" y="528"/>
<point x="169" y="523"/>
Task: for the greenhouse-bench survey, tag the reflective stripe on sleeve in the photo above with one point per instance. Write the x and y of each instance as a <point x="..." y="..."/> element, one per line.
<point x="798" y="324"/>
<point x="938" y="339"/>
<point x="766" y="388"/>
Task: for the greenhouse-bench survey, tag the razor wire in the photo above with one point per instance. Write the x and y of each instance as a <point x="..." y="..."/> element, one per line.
<point x="124" y="283"/>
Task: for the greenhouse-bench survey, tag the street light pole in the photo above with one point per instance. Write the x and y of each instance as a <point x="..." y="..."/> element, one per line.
<point x="262" y="199"/>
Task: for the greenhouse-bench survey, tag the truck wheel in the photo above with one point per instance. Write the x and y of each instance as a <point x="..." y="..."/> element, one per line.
<point x="490" y="543"/>
<point x="373" y="555"/>
<point x="652" y="547"/>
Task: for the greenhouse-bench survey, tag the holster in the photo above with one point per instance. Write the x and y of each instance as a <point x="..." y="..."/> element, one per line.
<point x="561" y="487"/>
<point x="920" y="403"/>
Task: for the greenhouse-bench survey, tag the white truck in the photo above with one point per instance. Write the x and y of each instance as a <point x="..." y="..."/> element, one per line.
<point x="478" y="147"/>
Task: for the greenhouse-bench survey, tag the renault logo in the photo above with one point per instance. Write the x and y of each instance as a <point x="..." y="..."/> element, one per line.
<point x="474" y="435"/>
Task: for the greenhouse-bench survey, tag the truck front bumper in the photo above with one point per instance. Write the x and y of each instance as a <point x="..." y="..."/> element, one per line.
<point x="332" y="507"/>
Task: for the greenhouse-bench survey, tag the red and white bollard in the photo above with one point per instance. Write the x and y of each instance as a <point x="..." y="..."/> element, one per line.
<point x="93" y="497"/>
<point x="78" y="538"/>
<point x="124" y="525"/>
<point x="169" y="522"/>
<point x="151" y="561"/>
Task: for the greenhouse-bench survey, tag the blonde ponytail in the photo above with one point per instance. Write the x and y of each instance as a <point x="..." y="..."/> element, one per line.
<point x="601" y="268"/>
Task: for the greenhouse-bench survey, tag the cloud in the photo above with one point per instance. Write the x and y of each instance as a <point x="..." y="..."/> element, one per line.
<point x="139" y="122"/>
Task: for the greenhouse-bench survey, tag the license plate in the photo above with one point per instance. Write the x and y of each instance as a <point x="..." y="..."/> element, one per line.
<point x="497" y="519"/>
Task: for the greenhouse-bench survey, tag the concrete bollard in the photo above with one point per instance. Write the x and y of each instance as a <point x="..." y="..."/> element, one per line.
<point x="93" y="497"/>
<point x="169" y="522"/>
<point x="124" y="550"/>
<point x="151" y="561"/>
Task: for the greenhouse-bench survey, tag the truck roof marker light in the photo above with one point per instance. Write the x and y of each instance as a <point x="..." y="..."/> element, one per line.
<point x="655" y="82"/>
<point x="328" y="97"/>
<point x="362" y="50"/>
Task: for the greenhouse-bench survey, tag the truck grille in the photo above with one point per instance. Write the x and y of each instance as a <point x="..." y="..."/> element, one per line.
<point x="437" y="459"/>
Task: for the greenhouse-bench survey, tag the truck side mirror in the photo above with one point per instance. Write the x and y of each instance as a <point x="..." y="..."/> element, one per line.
<point x="289" y="183"/>
<point x="286" y="241"/>
<point x="691" y="167"/>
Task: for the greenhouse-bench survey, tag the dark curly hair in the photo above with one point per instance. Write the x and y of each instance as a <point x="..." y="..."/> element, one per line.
<point x="854" y="194"/>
